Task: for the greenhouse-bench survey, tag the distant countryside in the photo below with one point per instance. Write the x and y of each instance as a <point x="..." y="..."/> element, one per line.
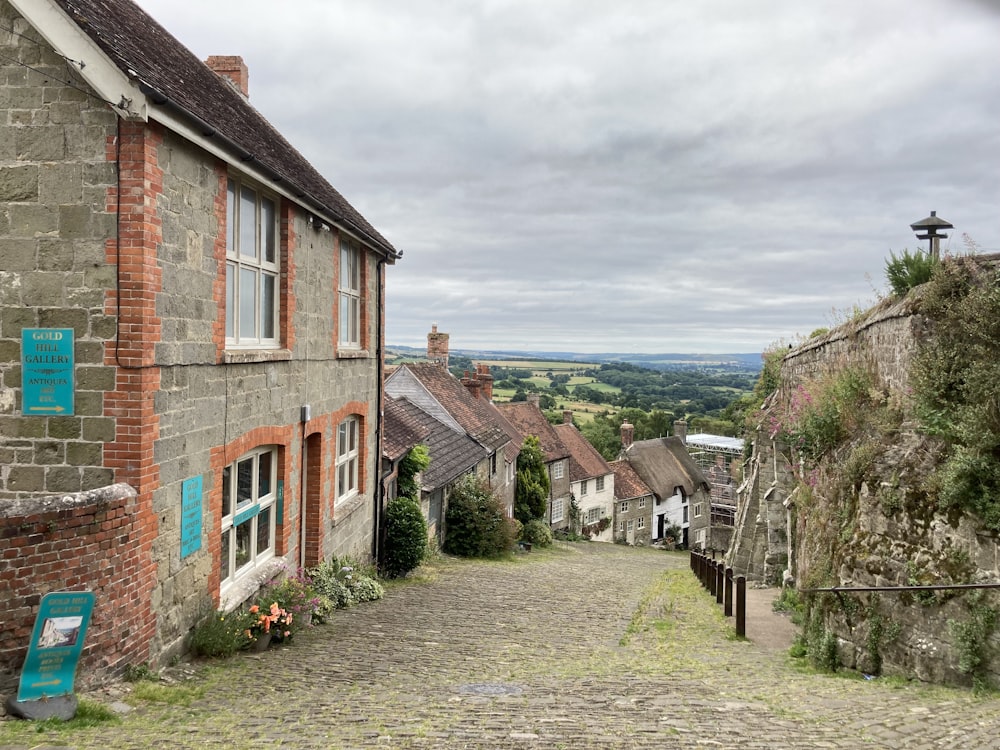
<point x="711" y="394"/>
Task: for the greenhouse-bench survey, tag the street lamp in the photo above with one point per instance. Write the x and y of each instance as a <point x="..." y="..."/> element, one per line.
<point x="930" y="227"/>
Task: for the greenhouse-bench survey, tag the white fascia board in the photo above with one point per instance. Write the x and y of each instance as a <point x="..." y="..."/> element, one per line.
<point x="66" y="38"/>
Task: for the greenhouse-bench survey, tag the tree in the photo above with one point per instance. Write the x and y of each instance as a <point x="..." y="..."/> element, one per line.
<point x="416" y="461"/>
<point x="532" y="489"/>
<point x="405" y="536"/>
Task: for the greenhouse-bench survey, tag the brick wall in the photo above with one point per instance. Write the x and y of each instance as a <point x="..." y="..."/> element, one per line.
<point x="81" y="542"/>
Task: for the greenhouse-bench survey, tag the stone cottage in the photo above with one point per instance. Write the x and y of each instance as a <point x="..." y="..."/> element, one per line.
<point x="191" y="328"/>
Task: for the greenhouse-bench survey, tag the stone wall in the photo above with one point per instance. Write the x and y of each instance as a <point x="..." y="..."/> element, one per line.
<point x="54" y="221"/>
<point x="81" y="542"/>
<point x="801" y="522"/>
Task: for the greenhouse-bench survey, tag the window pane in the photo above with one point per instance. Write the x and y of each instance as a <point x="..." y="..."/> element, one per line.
<point x="243" y="552"/>
<point x="244" y="481"/>
<point x="248" y="223"/>
<point x="267" y="218"/>
<point x="227" y="499"/>
<point x="345" y="318"/>
<point x="263" y="530"/>
<point x="224" y="567"/>
<point x="230" y="300"/>
<point x="342" y="439"/>
<point x="352" y="477"/>
<point x="341" y="480"/>
<point x="267" y="305"/>
<point x="231" y="218"/>
<point x="352" y="432"/>
<point x="264" y="475"/>
<point x="248" y="303"/>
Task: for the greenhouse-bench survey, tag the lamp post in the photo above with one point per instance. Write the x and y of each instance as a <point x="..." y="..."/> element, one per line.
<point x="930" y="228"/>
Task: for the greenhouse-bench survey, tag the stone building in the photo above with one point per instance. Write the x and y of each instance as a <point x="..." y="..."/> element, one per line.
<point x="592" y="483"/>
<point x="191" y="328"/>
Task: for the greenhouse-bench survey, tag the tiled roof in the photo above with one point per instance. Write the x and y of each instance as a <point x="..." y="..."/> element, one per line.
<point x="528" y="419"/>
<point x="171" y="76"/>
<point x="400" y="431"/>
<point x="452" y="453"/>
<point x="628" y="484"/>
<point x="476" y="416"/>
<point x="584" y="460"/>
<point x="664" y="465"/>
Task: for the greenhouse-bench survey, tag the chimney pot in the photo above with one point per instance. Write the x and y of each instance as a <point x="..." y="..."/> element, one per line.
<point x="681" y="430"/>
<point x="567" y="416"/>
<point x="628" y="435"/>
<point x="437" y="346"/>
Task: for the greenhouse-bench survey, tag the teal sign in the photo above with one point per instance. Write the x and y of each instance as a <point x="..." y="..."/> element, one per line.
<point x="47" y="372"/>
<point x="56" y="643"/>
<point x="191" y="495"/>
<point x="245" y="515"/>
<point x="281" y="501"/>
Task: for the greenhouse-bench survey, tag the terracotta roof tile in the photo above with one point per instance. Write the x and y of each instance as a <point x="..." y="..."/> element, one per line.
<point x="452" y="453"/>
<point x="584" y="460"/>
<point x="528" y="419"/>
<point x="628" y="484"/>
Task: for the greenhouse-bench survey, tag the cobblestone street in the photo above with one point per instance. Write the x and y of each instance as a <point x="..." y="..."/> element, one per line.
<point x="589" y="646"/>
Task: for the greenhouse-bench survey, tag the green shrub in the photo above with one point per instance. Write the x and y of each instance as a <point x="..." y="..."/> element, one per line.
<point x="342" y="583"/>
<point x="908" y="270"/>
<point x="405" y="537"/>
<point x="222" y="634"/>
<point x="295" y="594"/>
<point x="476" y="523"/>
<point x="537" y="533"/>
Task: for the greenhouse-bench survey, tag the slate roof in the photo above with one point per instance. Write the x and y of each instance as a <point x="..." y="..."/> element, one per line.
<point x="400" y="430"/>
<point x="628" y="484"/>
<point x="173" y="77"/>
<point x="477" y="417"/>
<point x="528" y="419"/>
<point x="664" y="465"/>
<point x="452" y="453"/>
<point x="584" y="460"/>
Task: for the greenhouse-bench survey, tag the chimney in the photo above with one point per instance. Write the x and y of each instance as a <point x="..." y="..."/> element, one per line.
<point x="485" y="380"/>
<point x="437" y="346"/>
<point x="472" y="384"/>
<point x="567" y="416"/>
<point x="233" y="69"/>
<point x="533" y="398"/>
<point x="628" y="435"/>
<point x="681" y="430"/>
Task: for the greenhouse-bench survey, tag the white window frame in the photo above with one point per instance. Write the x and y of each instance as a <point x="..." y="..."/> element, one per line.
<point x="642" y="502"/>
<point x="493" y="464"/>
<point x="623" y="508"/>
<point x="594" y="514"/>
<point x="253" y="259"/>
<point x="642" y="522"/>
<point x="583" y="487"/>
<point x="697" y="509"/>
<point x="349" y="295"/>
<point x="558" y="510"/>
<point x="348" y="458"/>
<point x="249" y="515"/>
<point x="557" y="470"/>
<point x="621" y="527"/>
<point x="600" y="484"/>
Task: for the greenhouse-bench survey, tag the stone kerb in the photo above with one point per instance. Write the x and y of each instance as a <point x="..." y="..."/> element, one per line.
<point x="83" y="541"/>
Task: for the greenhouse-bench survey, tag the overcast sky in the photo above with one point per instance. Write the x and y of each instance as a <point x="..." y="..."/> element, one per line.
<point x="631" y="175"/>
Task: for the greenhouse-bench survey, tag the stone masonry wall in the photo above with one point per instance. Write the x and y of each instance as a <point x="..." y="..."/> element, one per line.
<point x="54" y="179"/>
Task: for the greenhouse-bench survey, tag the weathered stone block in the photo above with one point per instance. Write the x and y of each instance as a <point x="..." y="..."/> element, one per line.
<point x="63" y="479"/>
<point x="54" y="254"/>
<point x="13" y="320"/>
<point x="49" y="453"/>
<point x="22" y="427"/>
<point x="94" y="477"/>
<point x="19" y="255"/>
<point x="64" y="428"/>
<point x="32" y="220"/>
<point x="89" y="404"/>
<point x="95" y="378"/>
<point x="103" y="327"/>
<point x="10" y="349"/>
<point x="74" y="221"/>
<point x="100" y="429"/>
<point x="65" y="318"/>
<point x="39" y="144"/>
<point x="26" y="479"/>
<point x="84" y="454"/>
<point x="19" y="184"/>
<point x="89" y="352"/>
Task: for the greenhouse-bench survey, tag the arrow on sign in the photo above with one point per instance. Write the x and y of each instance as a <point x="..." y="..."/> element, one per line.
<point x="45" y="408"/>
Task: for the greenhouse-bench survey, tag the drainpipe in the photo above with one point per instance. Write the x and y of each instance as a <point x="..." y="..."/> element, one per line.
<point x="380" y="399"/>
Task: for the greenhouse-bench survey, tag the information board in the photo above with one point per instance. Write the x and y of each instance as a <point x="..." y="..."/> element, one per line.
<point x="56" y="643"/>
<point x="191" y="514"/>
<point x="47" y="372"/>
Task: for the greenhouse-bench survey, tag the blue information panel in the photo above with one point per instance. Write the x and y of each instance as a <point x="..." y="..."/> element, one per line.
<point x="50" y="667"/>
<point x="191" y="506"/>
<point x="47" y="371"/>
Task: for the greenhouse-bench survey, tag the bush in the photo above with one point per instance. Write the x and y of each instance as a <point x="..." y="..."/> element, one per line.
<point x="405" y="537"/>
<point x="222" y="634"/>
<point x="476" y="524"/>
<point x="537" y="533"/>
<point x="341" y="583"/>
<point x="908" y="270"/>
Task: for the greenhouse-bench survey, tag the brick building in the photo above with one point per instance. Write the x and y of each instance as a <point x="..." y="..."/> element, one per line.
<point x="211" y="406"/>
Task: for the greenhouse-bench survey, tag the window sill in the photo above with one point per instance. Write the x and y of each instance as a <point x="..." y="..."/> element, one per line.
<point x="353" y="354"/>
<point x="345" y="508"/>
<point x="247" y="356"/>
<point x="250" y="583"/>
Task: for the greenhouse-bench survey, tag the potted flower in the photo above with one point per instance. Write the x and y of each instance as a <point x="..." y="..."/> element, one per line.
<point x="272" y="624"/>
<point x="296" y="595"/>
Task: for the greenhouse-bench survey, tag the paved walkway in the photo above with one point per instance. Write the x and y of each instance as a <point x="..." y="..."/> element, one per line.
<point x="590" y="646"/>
